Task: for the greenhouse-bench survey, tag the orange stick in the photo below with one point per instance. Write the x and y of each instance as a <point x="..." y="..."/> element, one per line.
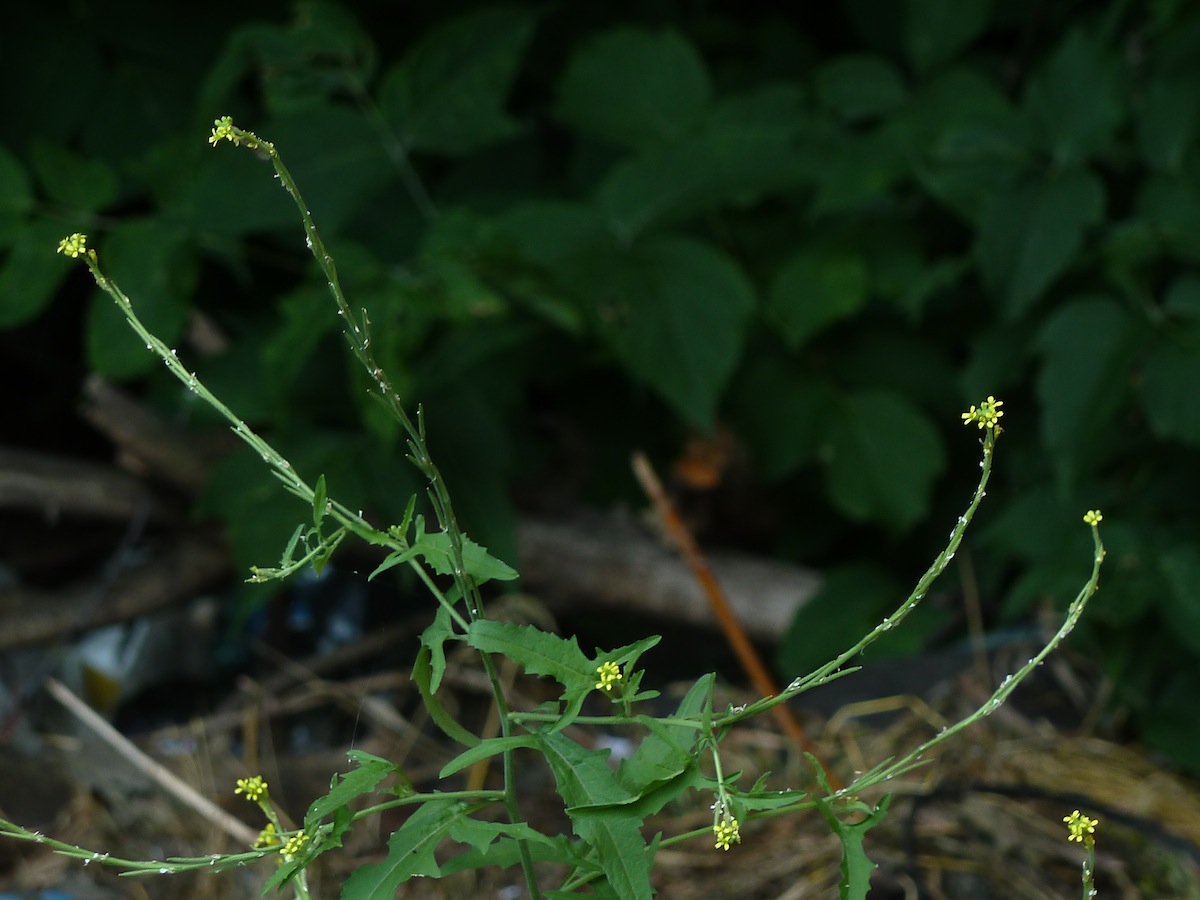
<point x="747" y="656"/>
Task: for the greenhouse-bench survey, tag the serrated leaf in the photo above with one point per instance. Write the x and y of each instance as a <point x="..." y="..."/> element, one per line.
<point x="883" y="457"/>
<point x="1029" y="235"/>
<point x="1087" y="348"/>
<point x="410" y="852"/>
<point x="485" y="749"/>
<point x="856" y="865"/>
<point x="814" y="289"/>
<point x="434" y="638"/>
<point x="449" y="92"/>
<point x="540" y="653"/>
<point x="665" y="752"/>
<point x="477" y="562"/>
<point x="348" y="787"/>
<point x="481" y="835"/>
<point x="635" y="87"/>
<point x="505" y="851"/>
<point x="622" y="850"/>
<point x="584" y="776"/>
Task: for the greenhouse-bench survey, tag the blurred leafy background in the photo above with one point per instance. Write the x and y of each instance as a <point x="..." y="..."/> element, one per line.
<point x="584" y="228"/>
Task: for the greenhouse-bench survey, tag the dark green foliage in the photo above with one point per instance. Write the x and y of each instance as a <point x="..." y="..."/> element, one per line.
<point x="832" y="233"/>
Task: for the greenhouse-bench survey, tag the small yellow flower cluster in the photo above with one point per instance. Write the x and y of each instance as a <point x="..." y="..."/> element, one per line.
<point x="1093" y="517"/>
<point x="254" y="788"/>
<point x="225" y="130"/>
<point x="610" y="674"/>
<point x="986" y="415"/>
<point x="1081" y="828"/>
<point x="73" y="246"/>
<point x="267" y="837"/>
<point x="294" y="845"/>
<point x="727" y="832"/>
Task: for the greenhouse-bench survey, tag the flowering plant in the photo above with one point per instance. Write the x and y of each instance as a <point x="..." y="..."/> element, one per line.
<point x="607" y="807"/>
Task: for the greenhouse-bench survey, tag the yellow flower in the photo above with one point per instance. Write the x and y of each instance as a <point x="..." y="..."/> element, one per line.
<point x="986" y="415"/>
<point x="254" y="788"/>
<point x="610" y="674"/>
<point x="727" y="832"/>
<point x="267" y="837"/>
<point x="223" y="131"/>
<point x="294" y="845"/>
<point x="1093" y="517"/>
<point x="1081" y="828"/>
<point x="73" y="246"/>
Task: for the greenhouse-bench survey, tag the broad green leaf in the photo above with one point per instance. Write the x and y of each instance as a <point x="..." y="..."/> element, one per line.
<point x="1087" y="348"/>
<point x="16" y="196"/>
<point x="965" y="139"/>
<point x="935" y="31"/>
<point x="79" y="184"/>
<point x="1170" y="206"/>
<point x="745" y="149"/>
<point x="779" y="409"/>
<point x="859" y="87"/>
<point x="1168" y="123"/>
<point x="814" y="289"/>
<point x="448" y="94"/>
<point x="155" y="266"/>
<point x="1181" y="606"/>
<point x="1172" y="371"/>
<point x="856" y="866"/>
<point x="675" y="310"/>
<point x="485" y="749"/>
<point x="478" y="563"/>
<point x="883" y="456"/>
<point x="1029" y="235"/>
<point x="410" y="852"/>
<point x="855" y="171"/>
<point x="635" y="87"/>
<point x="1183" y="298"/>
<point x="1078" y="99"/>
<point x="31" y="271"/>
